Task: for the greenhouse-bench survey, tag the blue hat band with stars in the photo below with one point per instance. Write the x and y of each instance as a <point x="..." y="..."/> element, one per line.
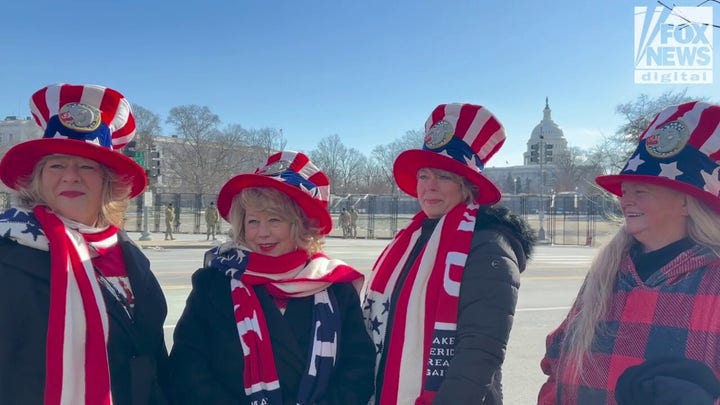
<point x="690" y="166"/>
<point x="459" y="151"/>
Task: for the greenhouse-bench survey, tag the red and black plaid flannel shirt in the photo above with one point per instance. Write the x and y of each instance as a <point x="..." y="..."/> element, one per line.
<point x="676" y="312"/>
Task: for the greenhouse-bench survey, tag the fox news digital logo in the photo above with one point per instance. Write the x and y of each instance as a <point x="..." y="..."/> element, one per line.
<point x="673" y="46"/>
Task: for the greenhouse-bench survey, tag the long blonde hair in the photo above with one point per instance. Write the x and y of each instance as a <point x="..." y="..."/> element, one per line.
<point x="304" y="231"/>
<point x="115" y="193"/>
<point x="594" y="299"/>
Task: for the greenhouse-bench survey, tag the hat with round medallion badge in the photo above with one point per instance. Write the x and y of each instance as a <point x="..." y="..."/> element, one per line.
<point x="459" y="138"/>
<point x="291" y="173"/>
<point x="89" y="121"/>
<point x="680" y="150"/>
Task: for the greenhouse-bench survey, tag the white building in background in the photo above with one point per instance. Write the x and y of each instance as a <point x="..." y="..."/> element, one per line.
<point x="546" y="137"/>
<point x="14" y="130"/>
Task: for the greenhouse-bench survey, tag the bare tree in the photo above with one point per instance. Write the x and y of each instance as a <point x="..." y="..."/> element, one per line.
<point x="147" y="127"/>
<point x="327" y="156"/>
<point x="243" y="157"/>
<point x="372" y="179"/>
<point x="363" y="177"/>
<point x="610" y="154"/>
<point x="340" y="163"/>
<point x="203" y="157"/>
<point x="353" y="168"/>
<point x="575" y="170"/>
<point x="385" y="155"/>
<point x="267" y="140"/>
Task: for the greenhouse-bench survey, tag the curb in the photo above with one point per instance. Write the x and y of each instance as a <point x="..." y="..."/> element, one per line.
<point x="176" y="246"/>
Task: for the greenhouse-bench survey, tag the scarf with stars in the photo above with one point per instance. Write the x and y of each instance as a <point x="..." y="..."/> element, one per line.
<point x="425" y="308"/>
<point x="76" y="369"/>
<point x="293" y="275"/>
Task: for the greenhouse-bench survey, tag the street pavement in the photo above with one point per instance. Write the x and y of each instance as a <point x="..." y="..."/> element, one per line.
<point x="548" y="287"/>
<point x="181" y="241"/>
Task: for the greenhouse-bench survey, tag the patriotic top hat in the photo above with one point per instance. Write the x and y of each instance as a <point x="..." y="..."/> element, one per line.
<point x="459" y="138"/>
<point x="679" y="150"/>
<point x="291" y="173"/>
<point x="88" y="121"/>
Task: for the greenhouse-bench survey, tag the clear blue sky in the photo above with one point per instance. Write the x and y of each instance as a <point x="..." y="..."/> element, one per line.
<point x="366" y="70"/>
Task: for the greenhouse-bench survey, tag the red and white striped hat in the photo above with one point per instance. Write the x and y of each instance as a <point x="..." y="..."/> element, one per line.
<point x="459" y="138"/>
<point x="291" y="173"/>
<point x="680" y="149"/>
<point x="89" y="121"/>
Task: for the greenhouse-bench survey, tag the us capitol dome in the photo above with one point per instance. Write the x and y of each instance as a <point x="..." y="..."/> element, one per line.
<point x="546" y="141"/>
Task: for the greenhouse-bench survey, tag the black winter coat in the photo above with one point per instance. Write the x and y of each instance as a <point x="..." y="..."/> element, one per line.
<point x="136" y="349"/>
<point x="499" y="251"/>
<point x="207" y="359"/>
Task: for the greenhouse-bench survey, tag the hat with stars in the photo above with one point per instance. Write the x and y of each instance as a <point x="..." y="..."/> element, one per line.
<point x="89" y="121"/>
<point x="459" y="138"/>
<point x="291" y="173"/>
<point x="679" y="150"/>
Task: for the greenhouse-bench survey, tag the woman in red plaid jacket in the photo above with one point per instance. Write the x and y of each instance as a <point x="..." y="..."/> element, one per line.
<point x="645" y="327"/>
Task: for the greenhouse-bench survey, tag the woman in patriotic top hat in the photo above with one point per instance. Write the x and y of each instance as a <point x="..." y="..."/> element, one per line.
<point x="644" y="328"/>
<point x="440" y="302"/>
<point x="81" y="313"/>
<point x="271" y="319"/>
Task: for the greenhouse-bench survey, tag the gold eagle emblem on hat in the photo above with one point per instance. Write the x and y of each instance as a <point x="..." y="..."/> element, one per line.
<point x="668" y="140"/>
<point x="439" y="134"/>
<point x="80" y="117"/>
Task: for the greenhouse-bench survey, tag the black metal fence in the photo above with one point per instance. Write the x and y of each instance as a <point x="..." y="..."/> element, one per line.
<point x="563" y="218"/>
<point x="567" y="218"/>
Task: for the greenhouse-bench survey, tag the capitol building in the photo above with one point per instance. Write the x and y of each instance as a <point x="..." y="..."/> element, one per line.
<point x="547" y="164"/>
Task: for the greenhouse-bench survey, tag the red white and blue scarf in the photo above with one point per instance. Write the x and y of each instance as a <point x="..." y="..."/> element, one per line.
<point x="426" y="308"/>
<point x="77" y="370"/>
<point x="293" y="275"/>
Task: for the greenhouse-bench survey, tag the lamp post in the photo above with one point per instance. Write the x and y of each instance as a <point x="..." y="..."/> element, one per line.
<point x="515" y="184"/>
<point x="541" y="231"/>
<point x="147" y="200"/>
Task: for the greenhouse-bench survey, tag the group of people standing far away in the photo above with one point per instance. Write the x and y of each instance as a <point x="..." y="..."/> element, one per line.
<point x="271" y="319"/>
<point x="348" y="222"/>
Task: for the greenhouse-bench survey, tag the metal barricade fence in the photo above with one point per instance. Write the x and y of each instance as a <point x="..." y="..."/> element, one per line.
<point x="567" y="218"/>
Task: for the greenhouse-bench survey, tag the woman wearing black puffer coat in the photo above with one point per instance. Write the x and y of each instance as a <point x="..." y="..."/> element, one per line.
<point x="448" y="283"/>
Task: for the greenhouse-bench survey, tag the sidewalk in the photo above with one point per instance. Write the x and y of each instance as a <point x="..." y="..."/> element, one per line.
<point x="182" y="241"/>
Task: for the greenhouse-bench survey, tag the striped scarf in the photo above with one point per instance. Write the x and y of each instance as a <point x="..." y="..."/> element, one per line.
<point x="76" y="370"/>
<point x="426" y="302"/>
<point x="293" y="275"/>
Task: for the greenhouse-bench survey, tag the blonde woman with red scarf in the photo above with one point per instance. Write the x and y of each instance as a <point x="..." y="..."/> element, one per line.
<point x="81" y="313"/>
<point x="441" y="299"/>
<point x="271" y="319"/>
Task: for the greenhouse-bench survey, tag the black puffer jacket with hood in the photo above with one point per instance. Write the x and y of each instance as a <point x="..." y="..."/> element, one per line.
<point x="500" y="249"/>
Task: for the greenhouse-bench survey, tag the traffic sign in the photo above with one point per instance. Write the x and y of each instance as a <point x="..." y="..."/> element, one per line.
<point x="140" y="158"/>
